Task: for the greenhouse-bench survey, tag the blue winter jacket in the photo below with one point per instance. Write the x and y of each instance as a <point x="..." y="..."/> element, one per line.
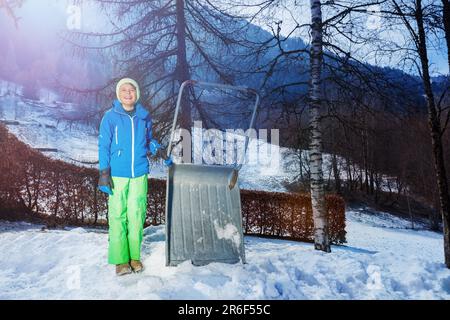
<point x="124" y="140"/>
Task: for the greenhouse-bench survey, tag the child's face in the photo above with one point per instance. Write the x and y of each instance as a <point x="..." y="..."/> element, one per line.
<point x="127" y="94"/>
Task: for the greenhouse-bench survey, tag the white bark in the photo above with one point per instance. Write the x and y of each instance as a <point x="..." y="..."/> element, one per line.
<point x="321" y="239"/>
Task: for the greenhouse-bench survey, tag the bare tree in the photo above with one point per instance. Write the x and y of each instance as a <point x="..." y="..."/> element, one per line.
<point x="9" y="6"/>
<point x="446" y="23"/>
<point x="321" y="238"/>
<point x="410" y="15"/>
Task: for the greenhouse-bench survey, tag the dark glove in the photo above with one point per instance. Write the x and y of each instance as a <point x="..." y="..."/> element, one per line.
<point x="105" y="183"/>
<point x="156" y="150"/>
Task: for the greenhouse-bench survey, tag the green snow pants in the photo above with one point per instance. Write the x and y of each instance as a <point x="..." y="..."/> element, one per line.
<point x="127" y="208"/>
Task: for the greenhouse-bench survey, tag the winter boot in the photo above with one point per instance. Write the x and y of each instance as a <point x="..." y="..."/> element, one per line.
<point x="136" y="265"/>
<point x="122" y="269"/>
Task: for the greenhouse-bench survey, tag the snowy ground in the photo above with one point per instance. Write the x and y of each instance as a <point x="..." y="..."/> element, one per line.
<point x="382" y="260"/>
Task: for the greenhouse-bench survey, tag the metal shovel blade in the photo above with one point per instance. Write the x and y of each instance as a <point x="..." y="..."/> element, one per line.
<point x="203" y="215"/>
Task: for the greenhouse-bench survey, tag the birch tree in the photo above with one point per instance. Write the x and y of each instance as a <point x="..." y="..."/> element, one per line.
<point x="321" y="239"/>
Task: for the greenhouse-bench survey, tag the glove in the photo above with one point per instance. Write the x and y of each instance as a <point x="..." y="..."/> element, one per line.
<point x="105" y="183"/>
<point x="154" y="147"/>
<point x="168" y="161"/>
<point x="157" y="150"/>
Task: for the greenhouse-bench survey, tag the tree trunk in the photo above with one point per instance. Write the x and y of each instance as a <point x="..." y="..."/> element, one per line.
<point x="337" y="178"/>
<point x="182" y="68"/>
<point x="55" y="212"/>
<point x="371" y="184"/>
<point x="349" y="174"/>
<point x="334" y="164"/>
<point x="95" y="205"/>
<point x="378" y="181"/>
<point x="321" y="240"/>
<point x="360" y="178"/>
<point x="434" y="221"/>
<point x="409" y="210"/>
<point x="446" y="19"/>
<point x="365" y="159"/>
<point x="435" y="130"/>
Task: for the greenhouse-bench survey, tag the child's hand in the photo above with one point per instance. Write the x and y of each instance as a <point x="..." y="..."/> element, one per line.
<point x="168" y="162"/>
<point x="105" y="189"/>
<point x="105" y="183"/>
<point x="154" y="147"/>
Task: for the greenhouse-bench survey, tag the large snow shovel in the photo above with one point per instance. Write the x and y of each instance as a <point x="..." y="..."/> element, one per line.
<point x="203" y="204"/>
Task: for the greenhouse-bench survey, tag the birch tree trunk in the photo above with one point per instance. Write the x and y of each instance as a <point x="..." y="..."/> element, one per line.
<point x="321" y="239"/>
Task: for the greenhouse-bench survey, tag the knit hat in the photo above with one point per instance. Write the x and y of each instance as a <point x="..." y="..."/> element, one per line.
<point x="130" y="81"/>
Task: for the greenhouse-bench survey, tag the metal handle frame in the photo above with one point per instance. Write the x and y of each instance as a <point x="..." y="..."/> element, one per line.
<point x="214" y="85"/>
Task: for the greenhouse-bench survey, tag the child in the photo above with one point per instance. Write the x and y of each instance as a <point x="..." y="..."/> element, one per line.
<point x="125" y="140"/>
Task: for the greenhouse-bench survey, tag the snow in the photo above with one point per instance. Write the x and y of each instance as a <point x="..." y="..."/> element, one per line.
<point x="229" y="232"/>
<point x="382" y="260"/>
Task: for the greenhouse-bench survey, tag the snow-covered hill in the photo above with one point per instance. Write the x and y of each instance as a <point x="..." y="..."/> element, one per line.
<point x="382" y="260"/>
<point x="40" y="125"/>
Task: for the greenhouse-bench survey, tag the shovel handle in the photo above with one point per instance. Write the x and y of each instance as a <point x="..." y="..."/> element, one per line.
<point x="215" y="85"/>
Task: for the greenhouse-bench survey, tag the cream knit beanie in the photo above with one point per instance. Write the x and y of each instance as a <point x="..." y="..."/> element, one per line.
<point x="130" y="81"/>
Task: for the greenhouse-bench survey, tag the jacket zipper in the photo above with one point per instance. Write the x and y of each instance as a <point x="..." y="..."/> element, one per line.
<point x="117" y="138"/>
<point x="132" y="142"/>
<point x="132" y="146"/>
